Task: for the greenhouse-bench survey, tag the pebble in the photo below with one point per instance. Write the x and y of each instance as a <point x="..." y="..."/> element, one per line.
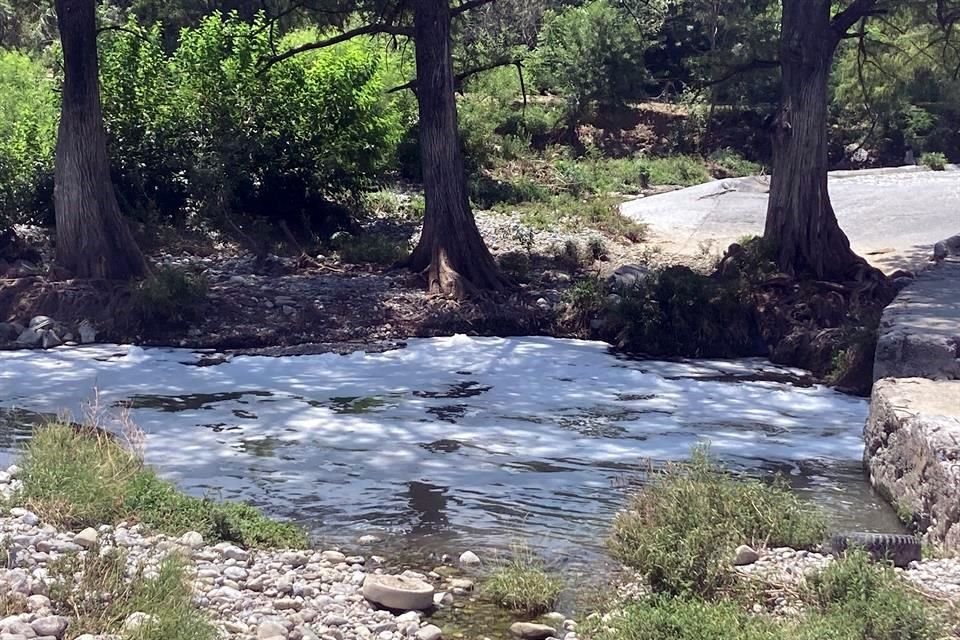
<point x="532" y="631"/>
<point x="430" y="632"/>
<point x="745" y="555"/>
<point x="86" y="538"/>
<point x="469" y="558"/>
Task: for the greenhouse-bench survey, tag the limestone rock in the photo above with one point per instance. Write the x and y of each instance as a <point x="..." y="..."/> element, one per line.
<point x="744" y="555"/>
<point x="86" y="538"/>
<point x="136" y="620"/>
<point x="54" y="626"/>
<point x="191" y="539"/>
<point x="88" y="333"/>
<point x="429" y="632"/>
<point x="532" y="631"/>
<point x="912" y="439"/>
<point x="270" y="629"/>
<point x="469" y="558"/>
<point x="629" y="276"/>
<point x="398" y="592"/>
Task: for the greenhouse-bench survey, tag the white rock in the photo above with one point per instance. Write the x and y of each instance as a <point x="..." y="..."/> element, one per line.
<point x="50" y="626"/>
<point x="469" y="558"/>
<point x="86" y="538"/>
<point x="136" y="620"/>
<point x="744" y="555"/>
<point x="398" y="592"/>
<point x="532" y="631"/>
<point x="88" y="333"/>
<point x="269" y="629"/>
<point x="191" y="540"/>
<point x="430" y="632"/>
<point x="369" y="539"/>
<point x="38" y="602"/>
<point x="333" y="556"/>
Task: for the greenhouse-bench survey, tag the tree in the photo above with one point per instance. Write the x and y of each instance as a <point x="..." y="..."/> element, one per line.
<point x="801" y="224"/>
<point x="451" y="253"/>
<point x="93" y="240"/>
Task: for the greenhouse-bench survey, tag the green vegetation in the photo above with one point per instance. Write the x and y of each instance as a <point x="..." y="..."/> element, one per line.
<point x="80" y="477"/>
<point x="168" y="296"/>
<point x="935" y="161"/>
<point x="96" y="593"/>
<point x="522" y="584"/>
<point x="28" y="124"/>
<point x="681" y="529"/>
<point x="733" y="164"/>
<point x="373" y="248"/>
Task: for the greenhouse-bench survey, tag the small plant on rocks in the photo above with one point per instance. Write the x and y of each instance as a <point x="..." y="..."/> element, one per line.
<point x="522" y="583"/>
<point x="934" y="161"/>
<point x="168" y="297"/>
<point x="681" y="529"/>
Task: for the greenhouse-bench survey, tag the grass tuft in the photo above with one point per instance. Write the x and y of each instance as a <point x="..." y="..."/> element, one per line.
<point x="168" y="296"/>
<point x="374" y="249"/>
<point x="681" y="529"/>
<point x="98" y="593"/>
<point x="84" y="477"/>
<point x="934" y="161"/>
<point x="522" y="584"/>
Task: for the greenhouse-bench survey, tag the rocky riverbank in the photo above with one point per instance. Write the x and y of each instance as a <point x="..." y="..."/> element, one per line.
<point x="246" y="594"/>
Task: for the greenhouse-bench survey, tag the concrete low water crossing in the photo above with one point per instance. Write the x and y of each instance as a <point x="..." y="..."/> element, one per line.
<point x="459" y="442"/>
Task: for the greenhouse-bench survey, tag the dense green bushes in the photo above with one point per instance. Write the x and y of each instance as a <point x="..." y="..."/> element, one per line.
<point x="28" y="120"/>
<point x="206" y="132"/>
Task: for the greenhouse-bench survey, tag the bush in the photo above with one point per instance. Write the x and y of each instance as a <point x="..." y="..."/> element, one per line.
<point x="82" y="477"/>
<point x="934" y="161"/>
<point x="168" y="297"/>
<point x="873" y="599"/>
<point x="733" y="165"/>
<point x="95" y="592"/>
<point x="202" y="130"/>
<point x="522" y="584"/>
<point x="681" y="529"/>
<point x="593" y="52"/>
<point x="29" y="111"/>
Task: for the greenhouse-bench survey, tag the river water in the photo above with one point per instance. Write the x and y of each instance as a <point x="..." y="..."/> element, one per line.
<point x="455" y="443"/>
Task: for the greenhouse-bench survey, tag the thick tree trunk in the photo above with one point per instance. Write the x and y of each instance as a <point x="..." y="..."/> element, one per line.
<point x="451" y="253"/>
<point x="801" y="224"/>
<point x="93" y="240"/>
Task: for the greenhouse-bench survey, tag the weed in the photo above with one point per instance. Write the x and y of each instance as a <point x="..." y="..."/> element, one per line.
<point x="584" y="300"/>
<point x="934" y="161"/>
<point x="597" y="249"/>
<point x="99" y="592"/>
<point x="384" y="203"/>
<point x="522" y="584"/>
<point x="373" y="248"/>
<point x="168" y="296"/>
<point x="516" y="265"/>
<point x="682" y="527"/>
<point x="85" y="477"/>
<point x="733" y="165"/>
<point x="568" y="255"/>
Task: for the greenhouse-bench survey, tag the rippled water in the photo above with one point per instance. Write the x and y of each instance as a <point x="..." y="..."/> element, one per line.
<point x="457" y="442"/>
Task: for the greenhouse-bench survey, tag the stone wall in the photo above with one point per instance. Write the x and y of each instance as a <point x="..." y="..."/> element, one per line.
<point x="912" y="452"/>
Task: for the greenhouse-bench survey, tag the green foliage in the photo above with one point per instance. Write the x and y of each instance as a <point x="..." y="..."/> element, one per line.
<point x="934" y="160"/>
<point x="28" y="124"/>
<point x="594" y="52"/>
<point x="733" y="165"/>
<point x="96" y="593"/>
<point x="516" y="265"/>
<point x="681" y="312"/>
<point x="373" y="248"/>
<point x="873" y="601"/>
<point x="584" y="300"/>
<point x="203" y="130"/>
<point x="168" y="296"/>
<point x="681" y="529"/>
<point x="682" y="618"/>
<point x="522" y="584"/>
<point x="82" y="477"/>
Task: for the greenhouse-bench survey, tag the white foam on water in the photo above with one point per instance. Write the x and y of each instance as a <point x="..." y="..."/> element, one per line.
<point x="457" y="433"/>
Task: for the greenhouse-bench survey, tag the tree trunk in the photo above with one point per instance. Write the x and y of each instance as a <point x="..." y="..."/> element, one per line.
<point x="451" y="253"/>
<point x="93" y="240"/>
<point x="801" y="224"/>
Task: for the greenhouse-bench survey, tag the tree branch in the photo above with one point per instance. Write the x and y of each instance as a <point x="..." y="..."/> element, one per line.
<point x="857" y="10"/>
<point x="460" y="77"/>
<point x="753" y="65"/>
<point x="116" y="27"/>
<point x="367" y="30"/>
<point x="467" y="6"/>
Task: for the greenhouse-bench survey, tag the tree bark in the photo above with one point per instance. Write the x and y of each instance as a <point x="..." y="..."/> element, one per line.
<point x="93" y="240"/>
<point x="451" y="253"/>
<point x="801" y="224"/>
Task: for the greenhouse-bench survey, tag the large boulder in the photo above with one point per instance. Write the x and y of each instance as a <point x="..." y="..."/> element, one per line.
<point x="912" y="452"/>
<point x="401" y="593"/>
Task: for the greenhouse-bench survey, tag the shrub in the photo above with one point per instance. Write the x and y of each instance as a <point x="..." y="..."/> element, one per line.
<point x="83" y="477"/>
<point x="934" y="161"/>
<point x="96" y="593"/>
<point x="733" y="165"/>
<point x="680" y="530"/>
<point x="29" y="111"/>
<point x="516" y="265"/>
<point x="522" y="584"/>
<point x="168" y="296"/>
<point x="202" y="130"/>
<point x="584" y="300"/>
<point x="873" y="599"/>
